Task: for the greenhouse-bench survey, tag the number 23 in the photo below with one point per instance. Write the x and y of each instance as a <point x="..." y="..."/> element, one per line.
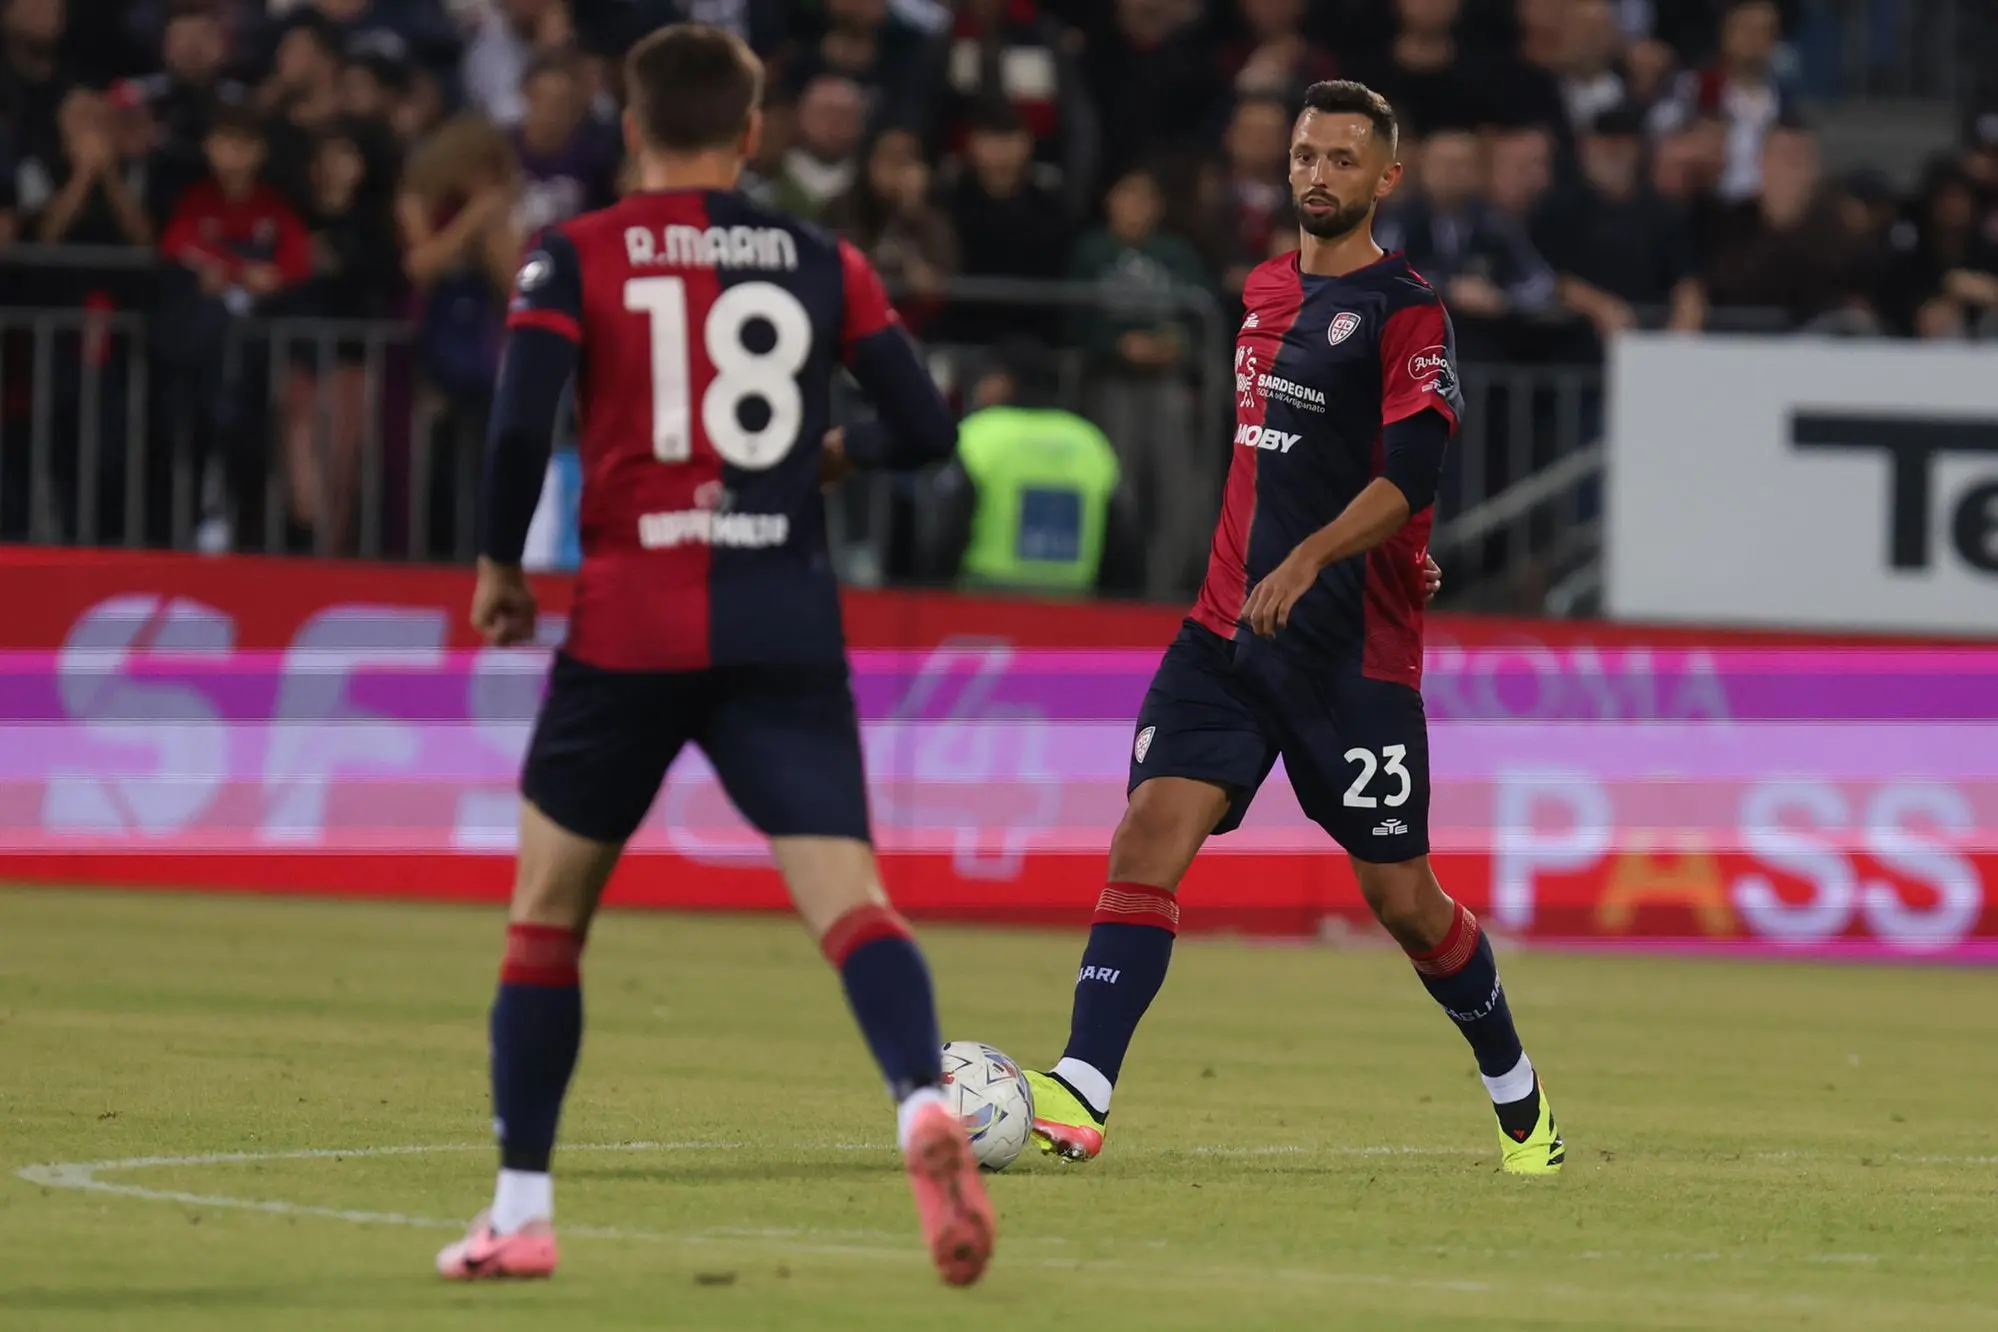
<point x="1390" y="763"/>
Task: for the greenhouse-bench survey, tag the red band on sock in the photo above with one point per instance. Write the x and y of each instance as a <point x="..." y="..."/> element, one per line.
<point x="546" y="955"/>
<point x="1137" y="904"/>
<point x="858" y="928"/>
<point x="1448" y="958"/>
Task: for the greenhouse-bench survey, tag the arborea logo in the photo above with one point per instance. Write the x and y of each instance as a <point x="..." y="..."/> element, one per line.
<point x="1144" y="745"/>
<point x="1428" y="362"/>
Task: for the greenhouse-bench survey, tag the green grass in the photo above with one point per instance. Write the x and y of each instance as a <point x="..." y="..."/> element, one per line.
<point x="1300" y="1140"/>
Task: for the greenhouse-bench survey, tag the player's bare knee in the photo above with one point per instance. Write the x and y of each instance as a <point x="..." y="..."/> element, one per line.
<point x="1162" y="828"/>
<point x="558" y="875"/>
<point x="827" y="877"/>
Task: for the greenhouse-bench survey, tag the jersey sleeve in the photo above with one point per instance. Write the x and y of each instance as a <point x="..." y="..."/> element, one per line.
<point x="544" y="334"/>
<point x="548" y="293"/>
<point x="1419" y="364"/>
<point x="867" y="309"/>
<point x="915" y="426"/>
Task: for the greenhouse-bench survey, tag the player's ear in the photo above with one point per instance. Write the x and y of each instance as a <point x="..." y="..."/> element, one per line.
<point x="752" y="135"/>
<point x="1389" y="179"/>
<point x="634" y="141"/>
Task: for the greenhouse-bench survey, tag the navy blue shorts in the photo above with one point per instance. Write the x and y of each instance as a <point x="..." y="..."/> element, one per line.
<point x="784" y="740"/>
<point x="1356" y="750"/>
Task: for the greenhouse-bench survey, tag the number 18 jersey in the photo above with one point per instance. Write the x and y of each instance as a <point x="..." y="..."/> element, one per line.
<point x="709" y="329"/>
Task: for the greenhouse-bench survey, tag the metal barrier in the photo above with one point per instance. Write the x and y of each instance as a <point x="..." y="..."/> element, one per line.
<point x="310" y="435"/>
<point x="314" y="435"/>
<point x="1523" y="501"/>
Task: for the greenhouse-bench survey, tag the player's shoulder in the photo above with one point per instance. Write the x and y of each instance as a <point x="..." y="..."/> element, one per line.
<point x="1403" y="287"/>
<point x="1272" y="278"/>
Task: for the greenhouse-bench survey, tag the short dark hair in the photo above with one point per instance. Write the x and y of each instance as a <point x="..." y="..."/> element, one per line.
<point x="692" y="86"/>
<point x="996" y="115"/>
<point x="235" y="122"/>
<point x="1346" y="97"/>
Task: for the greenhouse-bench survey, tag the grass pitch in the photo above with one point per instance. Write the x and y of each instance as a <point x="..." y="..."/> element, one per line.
<point x="295" y="1095"/>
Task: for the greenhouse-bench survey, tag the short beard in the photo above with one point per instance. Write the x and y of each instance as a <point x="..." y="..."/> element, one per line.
<point x="1343" y="220"/>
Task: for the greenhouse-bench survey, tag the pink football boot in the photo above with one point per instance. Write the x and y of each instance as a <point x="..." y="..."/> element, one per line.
<point x="957" y="1217"/>
<point x="526" y="1253"/>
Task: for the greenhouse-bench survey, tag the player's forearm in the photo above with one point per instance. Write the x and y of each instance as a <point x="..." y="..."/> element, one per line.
<point x="916" y="426"/>
<point x="1375" y="514"/>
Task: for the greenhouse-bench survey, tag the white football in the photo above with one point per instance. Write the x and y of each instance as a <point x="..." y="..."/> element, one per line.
<point x="989" y="1095"/>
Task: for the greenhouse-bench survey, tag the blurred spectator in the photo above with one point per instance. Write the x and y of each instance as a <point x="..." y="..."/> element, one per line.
<point x="418" y="31"/>
<point x="1007" y="50"/>
<point x="372" y="83"/>
<point x="1275" y="59"/>
<point x="1741" y="90"/>
<point x="1941" y="279"/>
<point x="1521" y="174"/>
<point x="183" y="97"/>
<point x="1649" y="67"/>
<point x="99" y="191"/>
<point x="1154" y="85"/>
<point x="420" y="110"/>
<point x="824" y="159"/>
<point x="509" y="35"/>
<point x="301" y="101"/>
<point x="33" y="83"/>
<point x="1480" y="259"/>
<point x="1685" y="171"/>
<point x="1591" y="81"/>
<point x="888" y="214"/>
<point x="355" y="275"/>
<point x="240" y="246"/>
<point x="1523" y="87"/>
<point x="1138" y="334"/>
<point x="862" y="41"/>
<point x="1253" y="196"/>
<point x="1423" y="73"/>
<point x="1617" y="246"/>
<point x="1790" y="250"/>
<point x="240" y="239"/>
<point x="568" y="159"/>
<point x="460" y="251"/>
<point x="1008" y="224"/>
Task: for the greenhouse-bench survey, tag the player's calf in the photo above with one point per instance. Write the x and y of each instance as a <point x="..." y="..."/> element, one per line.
<point x="1125" y="961"/>
<point x="837" y="890"/>
<point x="536" y="1029"/>
<point x="1454" y="959"/>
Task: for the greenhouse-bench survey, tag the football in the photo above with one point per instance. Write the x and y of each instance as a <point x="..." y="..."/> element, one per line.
<point x="989" y="1095"/>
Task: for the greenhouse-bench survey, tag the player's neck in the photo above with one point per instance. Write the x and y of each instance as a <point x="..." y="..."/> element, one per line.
<point x="1336" y="256"/>
<point x="690" y="171"/>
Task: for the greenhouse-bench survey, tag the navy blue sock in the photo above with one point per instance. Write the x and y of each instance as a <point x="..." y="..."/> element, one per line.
<point x="1462" y="975"/>
<point x="537" y="1029"/>
<point x="1123" y="966"/>
<point x="888" y="988"/>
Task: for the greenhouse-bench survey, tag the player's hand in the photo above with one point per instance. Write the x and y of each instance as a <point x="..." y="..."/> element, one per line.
<point x="1432" y="578"/>
<point x="503" y="608"/>
<point x="834" y="465"/>
<point x="1269" y="605"/>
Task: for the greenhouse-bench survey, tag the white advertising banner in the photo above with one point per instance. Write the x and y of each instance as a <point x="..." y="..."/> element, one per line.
<point x="1807" y="483"/>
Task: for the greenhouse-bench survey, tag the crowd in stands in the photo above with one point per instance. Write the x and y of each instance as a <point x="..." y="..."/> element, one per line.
<point x="1578" y="167"/>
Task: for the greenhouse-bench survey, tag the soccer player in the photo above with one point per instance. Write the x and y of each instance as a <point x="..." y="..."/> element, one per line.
<point x="1306" y="639"/>
<point x="702" y="332"/>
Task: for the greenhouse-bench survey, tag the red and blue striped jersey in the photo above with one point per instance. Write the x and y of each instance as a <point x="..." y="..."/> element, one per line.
<point x="1322" y="366"/>
<point x="709" y="329"/>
